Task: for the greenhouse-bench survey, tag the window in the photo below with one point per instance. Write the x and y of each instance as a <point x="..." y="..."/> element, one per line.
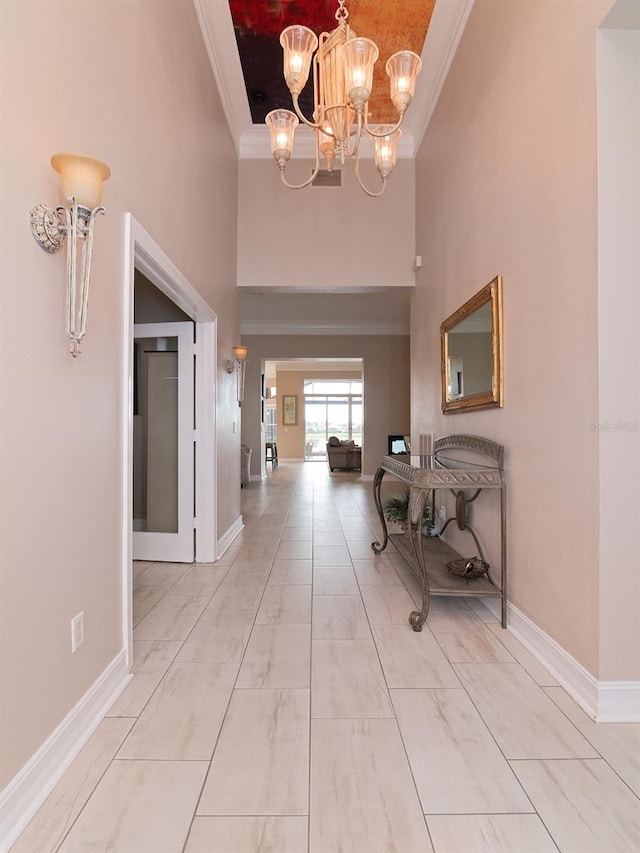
<point x="270" y="422"/>
<point x="331" y="407"/>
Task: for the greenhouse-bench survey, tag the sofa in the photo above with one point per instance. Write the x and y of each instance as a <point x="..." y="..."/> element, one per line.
<point x="346" y="455"/>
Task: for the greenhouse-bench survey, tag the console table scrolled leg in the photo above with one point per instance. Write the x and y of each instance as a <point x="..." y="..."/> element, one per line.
<point x="377" y="483"/>
<point x="418" y="618"/>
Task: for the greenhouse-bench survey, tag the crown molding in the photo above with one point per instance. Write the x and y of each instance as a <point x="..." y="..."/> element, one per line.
<point x="216" y="25"/>
<point x="443" y="37"/>
<point x="325" y="328"/>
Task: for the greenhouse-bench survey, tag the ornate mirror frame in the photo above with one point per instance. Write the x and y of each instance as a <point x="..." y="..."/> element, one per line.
<point x="490" y="294"/>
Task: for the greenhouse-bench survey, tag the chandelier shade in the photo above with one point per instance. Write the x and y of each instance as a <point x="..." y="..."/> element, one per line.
<point x="343" y="65"/>
<point x="282" y="125"/>
<point x="386" y="149"/>
<point x="403" y="69"/>
<point x="298" y="44"/>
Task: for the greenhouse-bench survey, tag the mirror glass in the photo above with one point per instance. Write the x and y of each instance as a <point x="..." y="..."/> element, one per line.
<point x="471" y="346"/>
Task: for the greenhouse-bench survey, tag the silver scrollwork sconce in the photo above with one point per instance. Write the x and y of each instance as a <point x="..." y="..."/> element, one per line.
<point x="82" y="179"/>
<point x="239" y="362"/>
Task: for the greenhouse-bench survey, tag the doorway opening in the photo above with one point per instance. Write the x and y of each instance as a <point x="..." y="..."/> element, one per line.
<point x="144" y="256"/>
<point x="326" y="396"/>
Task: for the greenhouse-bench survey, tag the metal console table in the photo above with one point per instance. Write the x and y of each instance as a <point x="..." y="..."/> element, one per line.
<point x="428" y="556"/>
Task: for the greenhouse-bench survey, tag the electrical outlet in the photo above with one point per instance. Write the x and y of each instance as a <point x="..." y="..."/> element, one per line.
<point x="77" y="631"/>
<point x="442" y="513"/>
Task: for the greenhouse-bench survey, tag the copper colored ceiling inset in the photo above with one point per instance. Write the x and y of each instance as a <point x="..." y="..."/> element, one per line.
<point x="392" y="24"/>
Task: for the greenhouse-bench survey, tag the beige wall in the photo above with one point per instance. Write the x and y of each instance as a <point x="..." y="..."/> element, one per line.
<point x="129" y="83"/>
<point x="321" y="237"/>
<point x="385" y="391"/>
<point x="506" y="183"/>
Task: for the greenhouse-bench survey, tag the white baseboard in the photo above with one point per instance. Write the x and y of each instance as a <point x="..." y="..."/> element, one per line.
<point x="619" y="702"/>
<point x="227" y="538"/>
<point x="603" y="701"/>
<point x="27" y="791"/>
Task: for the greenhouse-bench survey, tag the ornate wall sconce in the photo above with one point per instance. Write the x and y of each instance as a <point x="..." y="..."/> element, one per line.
<point x="82" y="179"/>
<point x="239" y="360"/>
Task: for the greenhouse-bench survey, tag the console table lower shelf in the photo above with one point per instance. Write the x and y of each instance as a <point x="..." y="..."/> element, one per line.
<point x="439" y="580"/>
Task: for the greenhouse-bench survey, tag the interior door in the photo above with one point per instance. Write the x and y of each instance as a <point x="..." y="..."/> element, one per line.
<point x="163" y="451"/>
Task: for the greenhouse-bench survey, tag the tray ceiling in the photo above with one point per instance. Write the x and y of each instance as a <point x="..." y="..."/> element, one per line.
<point x="242" y="40"/>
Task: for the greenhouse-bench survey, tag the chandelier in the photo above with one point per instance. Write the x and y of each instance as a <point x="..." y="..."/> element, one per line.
<point x="342" y="82"/>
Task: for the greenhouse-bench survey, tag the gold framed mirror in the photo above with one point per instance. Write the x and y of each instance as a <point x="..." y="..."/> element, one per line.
<point x="471" y="352"/>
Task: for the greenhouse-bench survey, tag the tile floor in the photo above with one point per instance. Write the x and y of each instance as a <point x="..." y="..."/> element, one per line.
<point x="282" y="703"/>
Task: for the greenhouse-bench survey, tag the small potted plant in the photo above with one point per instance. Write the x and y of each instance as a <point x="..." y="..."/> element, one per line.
<point x="396" y="509"/>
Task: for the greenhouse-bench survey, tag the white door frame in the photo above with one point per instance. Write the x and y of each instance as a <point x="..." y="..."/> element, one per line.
<point x="143" y="253"/>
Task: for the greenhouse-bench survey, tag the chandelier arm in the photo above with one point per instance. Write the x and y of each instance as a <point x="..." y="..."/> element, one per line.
<point x="362" y="186"/>
<point x="301" y="116"/>
<point x="308" y="181"/>
<point x="388" y="130"/>
<point x="357" y="165"/>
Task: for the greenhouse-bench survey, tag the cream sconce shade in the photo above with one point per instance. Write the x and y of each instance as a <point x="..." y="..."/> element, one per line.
<point x="82" y="178"/>
<point x="239" y="360"/>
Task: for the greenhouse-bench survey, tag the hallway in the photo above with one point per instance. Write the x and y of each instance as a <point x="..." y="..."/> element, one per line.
<point x="282" y="703"/>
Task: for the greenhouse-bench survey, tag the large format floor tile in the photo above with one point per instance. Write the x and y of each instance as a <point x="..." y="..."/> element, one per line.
<point x="265" y="725"/>
<point x="248" y="835"/>
<point x="220" y="636"/>
<point x="335" y="582"/>
<point x="291" y="572"/>
<point x="139" y="807"/>
<point x="172" y="618"/>
<point x="151" y="660"/>
<point x="239" y="592"/>
<point x="376" y="571"/>
<point x="200" y="580"/>
<point x="339" y="617"/>
<point x="387" y="605"/>
<point x="412" y="659"/>
<point x="347" y="680"/>
<point x="475" y="644"/>
<point x="285" y="605"/>
<point x="522" y="655"/>
<point x="50" y="825"/>
<point x="502" y="833"/>
<point x="456" y="764"/>
<point x="277" y="656"/>
<point x="519" y="714"/>
<point x="584" y="805"/>
<point x="362" y="793"/>
<point x="617" y="743"/>
<point x="182" y="719"/>
<point x="261" y="763"/>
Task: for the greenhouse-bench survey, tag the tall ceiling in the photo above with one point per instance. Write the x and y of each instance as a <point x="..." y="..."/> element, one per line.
<point x="242" y="40"/>
<point x="393" y="25"/>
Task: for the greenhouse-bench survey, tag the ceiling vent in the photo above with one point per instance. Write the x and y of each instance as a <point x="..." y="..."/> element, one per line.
<point x="325" y="178"/>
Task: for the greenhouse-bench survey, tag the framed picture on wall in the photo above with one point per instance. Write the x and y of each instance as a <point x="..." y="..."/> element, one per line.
<point x="289" y="410"/>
